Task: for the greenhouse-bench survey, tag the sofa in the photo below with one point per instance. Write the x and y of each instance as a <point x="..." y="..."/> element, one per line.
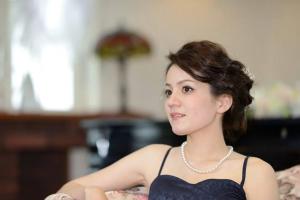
<point x="288" y="181"/>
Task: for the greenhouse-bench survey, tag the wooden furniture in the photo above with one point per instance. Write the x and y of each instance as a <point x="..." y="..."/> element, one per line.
<point x="275" y="140"/>
<point x="34" y="151"/>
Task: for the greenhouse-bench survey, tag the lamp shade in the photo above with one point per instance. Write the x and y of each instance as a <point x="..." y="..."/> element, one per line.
<point x="122" y="44"/>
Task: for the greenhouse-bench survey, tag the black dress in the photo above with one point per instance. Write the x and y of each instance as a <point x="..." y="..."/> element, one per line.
<point x="168" y="187"/>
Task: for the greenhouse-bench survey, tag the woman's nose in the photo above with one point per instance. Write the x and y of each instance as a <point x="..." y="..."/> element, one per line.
<point x="173" y="100"/>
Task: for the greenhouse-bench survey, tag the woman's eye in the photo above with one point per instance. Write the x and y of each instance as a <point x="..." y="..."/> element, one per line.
<point x="168" y="93"/>
<point x="187" y="89"/>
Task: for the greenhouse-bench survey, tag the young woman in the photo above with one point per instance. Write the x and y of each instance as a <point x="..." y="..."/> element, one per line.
<point x="206" y="96"/>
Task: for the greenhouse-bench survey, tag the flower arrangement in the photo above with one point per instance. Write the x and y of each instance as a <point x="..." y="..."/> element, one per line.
<point x="278" y="100"/>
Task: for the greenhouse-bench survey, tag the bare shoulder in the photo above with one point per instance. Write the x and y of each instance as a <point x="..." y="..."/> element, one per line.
<point x="154" y="151"/>
<point x="153" y="156"/>
<point x="146" y="156"/>
<point x="150" y="151"/>
<point x="261" y="181"/>
<point x="156" y="148"/>
<point x="259" y="168"/>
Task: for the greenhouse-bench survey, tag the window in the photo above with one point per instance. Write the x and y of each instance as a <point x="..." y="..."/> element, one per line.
<point x="46" y="43"/>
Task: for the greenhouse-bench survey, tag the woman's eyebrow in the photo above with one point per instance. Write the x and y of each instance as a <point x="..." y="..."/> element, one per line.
<point x="180" y="82"/>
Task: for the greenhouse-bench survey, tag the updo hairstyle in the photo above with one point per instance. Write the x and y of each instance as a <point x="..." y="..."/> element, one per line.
<point x="209" y="62"/>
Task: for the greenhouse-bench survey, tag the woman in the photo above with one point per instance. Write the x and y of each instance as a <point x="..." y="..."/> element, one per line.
<point x="206" y="96"/>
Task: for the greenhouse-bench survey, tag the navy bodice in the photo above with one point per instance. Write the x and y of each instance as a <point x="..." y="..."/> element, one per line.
<point x="168" y="187"/>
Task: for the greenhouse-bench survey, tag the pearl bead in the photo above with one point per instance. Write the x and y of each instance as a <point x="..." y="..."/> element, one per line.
<point x="208" y="170"/>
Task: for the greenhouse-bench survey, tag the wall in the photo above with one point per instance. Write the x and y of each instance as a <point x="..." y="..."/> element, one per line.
<point x="261" y="34"/>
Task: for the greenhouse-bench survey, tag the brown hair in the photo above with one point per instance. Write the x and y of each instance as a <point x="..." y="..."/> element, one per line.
<point x="209" y="62"/>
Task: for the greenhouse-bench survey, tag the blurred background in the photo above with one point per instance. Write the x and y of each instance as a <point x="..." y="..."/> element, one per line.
<point x="74" y="73"/>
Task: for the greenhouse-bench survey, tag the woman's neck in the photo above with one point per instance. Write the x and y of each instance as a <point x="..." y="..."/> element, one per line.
<point x="206" y="145"/>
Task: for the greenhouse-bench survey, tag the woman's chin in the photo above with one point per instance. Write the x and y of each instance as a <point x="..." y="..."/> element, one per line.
<point x="178" y="132"/>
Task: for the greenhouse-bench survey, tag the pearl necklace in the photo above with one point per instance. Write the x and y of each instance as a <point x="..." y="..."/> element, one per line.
<point x="204" y="171"/>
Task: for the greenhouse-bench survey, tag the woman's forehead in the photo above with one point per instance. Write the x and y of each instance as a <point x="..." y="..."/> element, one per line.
<point x="176" y="72"/>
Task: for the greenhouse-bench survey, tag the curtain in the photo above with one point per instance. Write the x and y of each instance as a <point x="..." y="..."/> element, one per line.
<point x="51" y="42"/>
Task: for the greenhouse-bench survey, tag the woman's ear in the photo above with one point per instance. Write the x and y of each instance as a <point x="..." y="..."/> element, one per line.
<point x="224" y="102"/>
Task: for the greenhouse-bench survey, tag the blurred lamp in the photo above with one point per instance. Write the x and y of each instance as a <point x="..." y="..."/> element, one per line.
<point x="121" y="45"/>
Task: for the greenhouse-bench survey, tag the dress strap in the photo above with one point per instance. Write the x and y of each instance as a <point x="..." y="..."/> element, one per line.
<point x="164" y="160"/>
<point x="244" y="171"/>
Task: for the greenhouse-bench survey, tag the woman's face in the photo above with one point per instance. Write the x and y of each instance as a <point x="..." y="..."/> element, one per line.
<point x="189" y="104"/>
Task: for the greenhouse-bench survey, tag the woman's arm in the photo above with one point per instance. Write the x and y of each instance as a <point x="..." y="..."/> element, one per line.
<point x="127" y="172"/>
<point x="94" y="193"/>
<point x="261" y="183"/>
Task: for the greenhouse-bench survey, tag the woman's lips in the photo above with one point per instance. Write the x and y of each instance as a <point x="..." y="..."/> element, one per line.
<point x="175" y="116"/>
